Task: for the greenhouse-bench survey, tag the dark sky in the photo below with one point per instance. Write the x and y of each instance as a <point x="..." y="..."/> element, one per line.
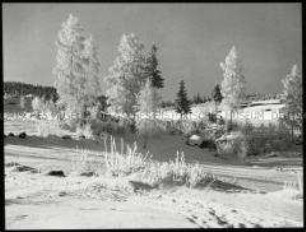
<point x="193" y="39"/>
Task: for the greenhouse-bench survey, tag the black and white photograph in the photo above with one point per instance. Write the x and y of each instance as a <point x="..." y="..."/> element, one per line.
<point x="152" y="115"/>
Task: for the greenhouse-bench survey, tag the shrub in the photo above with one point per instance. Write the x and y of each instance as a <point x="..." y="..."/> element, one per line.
<point x="208" y="144"/>
<point x="265" y="139"/>
<point x="188" y="127"/>
<point x="44" y="109"/>
<point x="128" y="160"/>
<point x="150" y="127"/>
<point x="213" y="131"/>
<point x="70" y="125"/>
<point x="212" y="117"/>
<point x="232" y="144"/>
<point x="112" y="126"/>
<point x="22" y="102"/>
<point x="22" y="135"/>
<point x="48" y="127"/>
<point x="177" y="173"/>
<point x="66" y="137"/>
<point x="85" y="131"/>
<point x="185" y="127"/>
<point x="120" y="164"/>
<point x="262" y="139"/>
<point x="37" y="104"/>
<point x="11" y="134"/>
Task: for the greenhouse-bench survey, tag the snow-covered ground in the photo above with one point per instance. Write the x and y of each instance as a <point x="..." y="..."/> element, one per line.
<point x="36" y="200"/>
<point x="39" y="201"/>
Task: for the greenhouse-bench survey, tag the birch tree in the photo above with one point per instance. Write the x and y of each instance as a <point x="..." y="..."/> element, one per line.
<point x="148" y="101"/>
<point x="77" y="69"/>
<point x="293" y="97"/>
<point x="233" y="84"/>
<point x="126" y="76"/>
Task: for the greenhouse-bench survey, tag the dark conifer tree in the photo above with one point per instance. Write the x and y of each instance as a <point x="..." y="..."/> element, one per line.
<point x="197" y="99"/>
<point x="152" y="69"/>
<point x="182" y="102"/>
<point x="216" y="94"/>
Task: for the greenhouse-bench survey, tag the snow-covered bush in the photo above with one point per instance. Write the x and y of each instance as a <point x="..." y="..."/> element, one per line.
<point x="213" y="131"/>
<point x="85" y="130"/>
<point x="232" y="144"/>
<point x="188" y="127"/>
<point x="44" y="109"/>
<point x="125" y="161"/>
<point x="48" y="127"/>
<point x="177" y="173"/>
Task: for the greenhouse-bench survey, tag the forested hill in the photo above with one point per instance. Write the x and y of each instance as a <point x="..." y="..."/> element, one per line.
<point x="22" y="89"/>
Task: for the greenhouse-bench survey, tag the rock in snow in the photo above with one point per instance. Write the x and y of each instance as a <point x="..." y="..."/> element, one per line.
<point x="195" y="140"/>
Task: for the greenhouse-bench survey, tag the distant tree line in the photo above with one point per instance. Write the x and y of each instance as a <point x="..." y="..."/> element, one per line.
<point x="19" y="89"/>
<point x="195" y="100"/>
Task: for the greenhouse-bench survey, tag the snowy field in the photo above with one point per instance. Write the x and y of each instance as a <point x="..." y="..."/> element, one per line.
<point x="76" y="202"/>
<point x="250" y="195"/>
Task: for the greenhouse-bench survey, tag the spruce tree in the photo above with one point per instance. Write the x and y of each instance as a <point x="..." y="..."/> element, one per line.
<point x="152" y="70"/>
<point x="216" y="94"/>
<point x="182" y="102"/>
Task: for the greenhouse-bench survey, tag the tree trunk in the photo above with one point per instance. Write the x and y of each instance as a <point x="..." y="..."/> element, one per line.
<point x="231" y="120"/>
<point x="292" y="129"/>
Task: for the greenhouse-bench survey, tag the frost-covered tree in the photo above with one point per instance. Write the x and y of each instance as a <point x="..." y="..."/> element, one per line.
<point x="92" y="65"/>
<point x="182" y="102"/>
<point x="68" y="59"/>
<point x="152" y="68"/>
<point x="126" y="76"/>
<point x="77" y="69"/>
<point x="233" y="84"/>
<point x="293" y="96"/>
<point x="148" y="100"/>
<point x="37" y="104"/>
